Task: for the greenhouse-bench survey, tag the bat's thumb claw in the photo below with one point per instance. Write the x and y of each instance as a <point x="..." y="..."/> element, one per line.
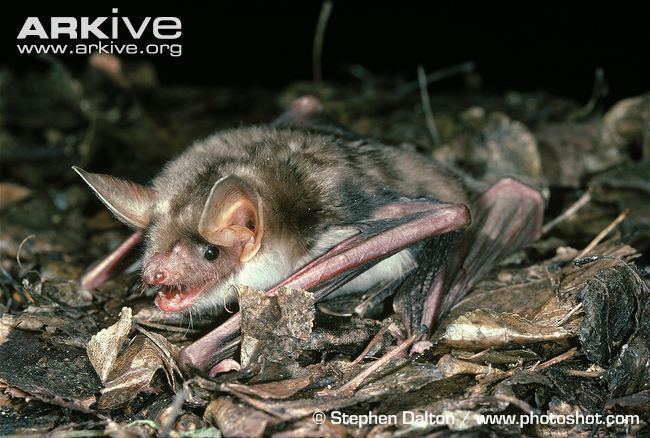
<point x="421" y="346"/>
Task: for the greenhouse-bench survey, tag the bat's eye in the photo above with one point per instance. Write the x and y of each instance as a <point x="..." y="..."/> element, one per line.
<point x="211" y="253"/>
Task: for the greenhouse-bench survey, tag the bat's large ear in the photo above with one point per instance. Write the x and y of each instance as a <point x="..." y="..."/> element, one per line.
<point x="233" y="217"/>
<point x="129" y="202"/>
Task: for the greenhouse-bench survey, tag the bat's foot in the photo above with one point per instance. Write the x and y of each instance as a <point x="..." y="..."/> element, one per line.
<point x="421" y="346"/>
<point x="225" y="366"/>
<point x="306" y="105"/>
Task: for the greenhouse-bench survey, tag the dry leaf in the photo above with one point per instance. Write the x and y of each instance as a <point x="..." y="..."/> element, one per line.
<point x="279" y="322"/>
<point x="481" y="329"/>
<point x="103" y="348"/>
<point x="133" y="372"/>
<point x="235" y="419"/>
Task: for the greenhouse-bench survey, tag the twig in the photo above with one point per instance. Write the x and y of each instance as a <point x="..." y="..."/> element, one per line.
<point x="557" y="359"/>
<point x="581" y="202"/>
<point x="86" y="143"/>
<point x="465" y="67"/>
<point x="479" y="354"/>
<point x="353" y="384"/>
<point x="319" y="37"/>
<point x="600" y="90"/>
<point x="555" y="286"/>
<point x="426" y="106"/>
<point x="177" y="405"/>
<point x="581" y="373"/>
<point x="608" y="229"/>
<point x="20" y="249"/>
<point x="373" y="342"/>
<point x="569" y="315"/>
<point x="525" y="407"/>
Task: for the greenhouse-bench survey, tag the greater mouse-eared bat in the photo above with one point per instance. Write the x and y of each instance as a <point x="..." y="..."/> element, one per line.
<point x="307" y="204"/>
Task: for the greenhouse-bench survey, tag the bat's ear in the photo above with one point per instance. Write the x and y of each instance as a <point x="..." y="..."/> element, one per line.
<point x="129" y="202"/>
<point x="233" y="217"/>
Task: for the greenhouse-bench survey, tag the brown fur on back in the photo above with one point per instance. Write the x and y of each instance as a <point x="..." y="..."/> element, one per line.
<point x="308" y="181"/>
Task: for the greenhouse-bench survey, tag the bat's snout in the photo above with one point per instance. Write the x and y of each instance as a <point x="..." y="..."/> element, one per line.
<point x="155" y="277"/>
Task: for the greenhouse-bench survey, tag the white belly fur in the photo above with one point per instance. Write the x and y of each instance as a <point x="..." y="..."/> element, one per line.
<point x="270" y="267"/>
<point x="394" y="267"/>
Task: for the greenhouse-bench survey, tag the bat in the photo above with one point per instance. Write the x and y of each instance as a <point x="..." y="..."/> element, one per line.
<point x="308" y="204"/>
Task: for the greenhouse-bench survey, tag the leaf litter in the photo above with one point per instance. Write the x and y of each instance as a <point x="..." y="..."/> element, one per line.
<point x="549" y="331"/>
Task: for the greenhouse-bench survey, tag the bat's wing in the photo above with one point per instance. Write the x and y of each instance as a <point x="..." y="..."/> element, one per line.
<point x="100" y="271"/>
<point x="427" y="225"/>
<point x="507" y="218"/>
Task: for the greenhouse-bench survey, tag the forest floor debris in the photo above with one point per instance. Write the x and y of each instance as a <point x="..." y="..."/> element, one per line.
<point x="561" y="328"/>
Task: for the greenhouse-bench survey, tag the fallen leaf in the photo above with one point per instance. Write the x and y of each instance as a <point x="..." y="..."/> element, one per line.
<point x="134" y="371"/>
<point x="236" y="419"/>
<point x="481" y="329"/>
<point x="274" y="324"/>
<point x="103" y="348"/>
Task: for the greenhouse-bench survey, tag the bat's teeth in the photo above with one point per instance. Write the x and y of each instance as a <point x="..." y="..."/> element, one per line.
<point x="171" y="290"/>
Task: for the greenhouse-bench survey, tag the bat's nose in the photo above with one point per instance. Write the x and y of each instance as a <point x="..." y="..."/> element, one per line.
<point x="156" y="277"/>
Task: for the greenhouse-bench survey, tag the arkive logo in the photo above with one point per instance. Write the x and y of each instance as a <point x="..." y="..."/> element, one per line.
<point x="103" y="28"/>
<point x="112" y="35"/>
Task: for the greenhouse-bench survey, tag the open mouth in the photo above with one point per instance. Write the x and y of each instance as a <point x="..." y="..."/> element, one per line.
<point x="178" y="297"/>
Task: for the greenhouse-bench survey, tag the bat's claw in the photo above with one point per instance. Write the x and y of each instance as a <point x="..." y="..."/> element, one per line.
<point x="421" y="346"/>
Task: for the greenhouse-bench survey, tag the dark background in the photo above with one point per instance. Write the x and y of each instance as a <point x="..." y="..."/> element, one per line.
<point x="527" y="46"/>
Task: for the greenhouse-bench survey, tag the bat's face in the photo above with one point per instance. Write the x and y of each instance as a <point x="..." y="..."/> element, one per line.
<point x="196" y="249"/>
<point x="190" y="273"/>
